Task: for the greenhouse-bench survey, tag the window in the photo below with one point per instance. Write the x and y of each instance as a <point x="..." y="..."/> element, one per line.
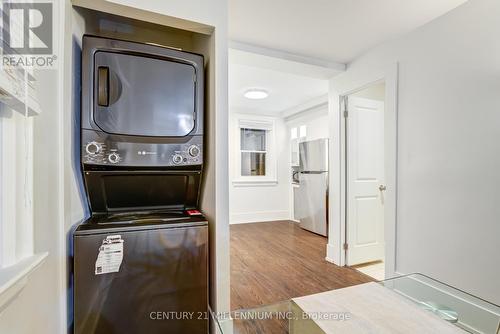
<point x="297" y="135"/>
<point x="294" y="147"/>
<point x="253" y="152"/>
<point x="303" y="131"/>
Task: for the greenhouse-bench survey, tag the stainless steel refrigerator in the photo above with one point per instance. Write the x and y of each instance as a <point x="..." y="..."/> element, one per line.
<point x="312" y="194"/>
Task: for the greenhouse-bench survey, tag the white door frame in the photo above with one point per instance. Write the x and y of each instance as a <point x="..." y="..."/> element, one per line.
<point x="347" y="84"/>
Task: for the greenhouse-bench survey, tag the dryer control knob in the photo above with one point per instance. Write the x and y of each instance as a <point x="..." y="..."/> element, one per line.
<point x="93" y="148"/>
<point x="114" y="158"/>
<point x="194" y="151"/>
<point x="177" y="158"/>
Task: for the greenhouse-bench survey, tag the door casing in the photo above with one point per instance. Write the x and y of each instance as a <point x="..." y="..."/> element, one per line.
<point x="349" y="84"/>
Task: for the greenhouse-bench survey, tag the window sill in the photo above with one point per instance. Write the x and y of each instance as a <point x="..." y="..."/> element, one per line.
<point x="14" y="278"/>
<point x="255" y="183"/>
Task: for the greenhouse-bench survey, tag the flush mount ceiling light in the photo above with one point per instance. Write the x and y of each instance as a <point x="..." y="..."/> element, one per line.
<point x="256" y="94"/>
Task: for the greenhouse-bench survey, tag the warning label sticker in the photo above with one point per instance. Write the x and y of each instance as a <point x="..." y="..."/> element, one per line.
<point x="110" y="255"/>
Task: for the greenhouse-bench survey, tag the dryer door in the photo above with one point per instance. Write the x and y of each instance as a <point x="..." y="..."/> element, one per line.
<point x="143" y="96"/>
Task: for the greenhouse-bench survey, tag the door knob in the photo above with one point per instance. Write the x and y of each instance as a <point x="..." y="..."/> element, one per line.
<point x="382" y="187"/>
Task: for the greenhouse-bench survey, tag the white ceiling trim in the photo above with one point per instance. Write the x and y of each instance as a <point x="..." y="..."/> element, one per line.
<point x="252" y="111"/>
<point x="309" y="105"/>
<point x="252" y="55"/>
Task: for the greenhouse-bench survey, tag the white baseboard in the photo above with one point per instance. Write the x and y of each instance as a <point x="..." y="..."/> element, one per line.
<point x="328" y="259"/>
<point x="258" y="217"/>
<point x="330" y="254"/>
<point x="226" y="326"/>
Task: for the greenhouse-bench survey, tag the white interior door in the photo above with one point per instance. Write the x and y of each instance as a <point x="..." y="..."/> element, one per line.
<point x="365" y="181"/>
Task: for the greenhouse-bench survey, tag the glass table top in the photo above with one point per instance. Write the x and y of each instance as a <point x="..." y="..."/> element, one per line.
<point x="455" y="310"/>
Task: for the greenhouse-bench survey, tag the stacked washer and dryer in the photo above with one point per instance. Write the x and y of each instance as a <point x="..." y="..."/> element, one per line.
<point x="140" y="262"/>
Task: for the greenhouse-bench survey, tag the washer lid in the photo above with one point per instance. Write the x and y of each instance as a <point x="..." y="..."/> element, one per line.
<point x="134" y="221"/>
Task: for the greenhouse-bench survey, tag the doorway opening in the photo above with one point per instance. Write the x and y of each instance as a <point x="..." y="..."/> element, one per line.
<point x="365" y="185"/>
<point x="279" y="139"/>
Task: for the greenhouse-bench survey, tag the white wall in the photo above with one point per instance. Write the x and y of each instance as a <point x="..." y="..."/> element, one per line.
<point x="316" y="121"/>
<point x="260" y="203"/>
<point x="448" y="152"/>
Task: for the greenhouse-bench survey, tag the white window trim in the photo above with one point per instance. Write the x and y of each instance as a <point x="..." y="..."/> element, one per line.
<point x="257" y="123"/>
<point x="18" y="101"/>
<point x="17" y="258"/>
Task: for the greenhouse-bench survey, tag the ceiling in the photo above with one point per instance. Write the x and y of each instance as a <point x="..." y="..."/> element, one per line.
<point x="286" y="90"/>
<point x="334" y="30"/>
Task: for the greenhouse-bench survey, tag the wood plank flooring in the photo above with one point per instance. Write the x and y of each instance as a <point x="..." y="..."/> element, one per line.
<point x="276" y="261"/>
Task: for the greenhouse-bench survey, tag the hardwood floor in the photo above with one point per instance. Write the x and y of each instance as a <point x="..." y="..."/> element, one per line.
<point x="276" y="261"/>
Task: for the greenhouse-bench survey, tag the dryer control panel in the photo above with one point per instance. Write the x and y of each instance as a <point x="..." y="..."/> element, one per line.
<point x="102" y="149"/>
